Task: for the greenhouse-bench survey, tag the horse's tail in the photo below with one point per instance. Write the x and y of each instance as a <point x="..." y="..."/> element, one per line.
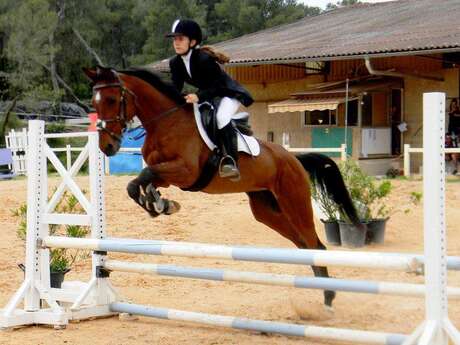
<point x="326" y="175"/>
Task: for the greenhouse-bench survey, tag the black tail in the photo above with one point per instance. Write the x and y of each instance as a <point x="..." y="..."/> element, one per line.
<point x="326" y="174"/>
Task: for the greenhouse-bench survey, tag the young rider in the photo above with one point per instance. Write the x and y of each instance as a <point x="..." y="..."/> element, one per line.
<point x="200" y="67"/>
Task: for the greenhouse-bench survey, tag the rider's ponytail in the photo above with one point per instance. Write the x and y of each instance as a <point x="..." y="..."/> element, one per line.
<point x="219" y="56"/>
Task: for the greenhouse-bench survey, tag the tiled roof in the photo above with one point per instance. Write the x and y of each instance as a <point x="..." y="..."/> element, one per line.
<point x="381" y="29"/>
<point x="366" y="29"/>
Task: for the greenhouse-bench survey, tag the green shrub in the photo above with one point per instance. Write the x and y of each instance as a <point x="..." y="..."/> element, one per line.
<point x="60" y="258"/>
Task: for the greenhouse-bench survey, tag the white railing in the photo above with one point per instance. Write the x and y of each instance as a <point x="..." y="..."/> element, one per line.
<point x="408" y="150"/>
<point x="342" y="150"/>
<point x="17" y="143"/>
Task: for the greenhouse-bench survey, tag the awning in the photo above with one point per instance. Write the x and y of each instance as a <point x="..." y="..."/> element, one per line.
<point x="294" y="105"/>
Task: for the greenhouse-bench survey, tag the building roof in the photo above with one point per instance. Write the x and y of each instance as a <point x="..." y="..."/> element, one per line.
<point x="404" y="27"/>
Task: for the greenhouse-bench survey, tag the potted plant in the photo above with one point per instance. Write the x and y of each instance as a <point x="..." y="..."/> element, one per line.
<point x="370" y="198"/>
<point x="359" y="185"/>
<point x="330" y="210"/>
<point x="61" y="259"/>
<point x="380" y="212"/>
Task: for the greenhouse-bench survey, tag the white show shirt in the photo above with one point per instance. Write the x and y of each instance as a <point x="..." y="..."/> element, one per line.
<point x="186" y="60"/>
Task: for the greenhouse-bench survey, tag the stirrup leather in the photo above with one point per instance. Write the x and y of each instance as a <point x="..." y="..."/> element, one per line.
<point x="228" y="168"/>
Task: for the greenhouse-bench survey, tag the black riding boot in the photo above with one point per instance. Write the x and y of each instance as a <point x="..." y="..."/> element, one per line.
<point x="228" y="165"/>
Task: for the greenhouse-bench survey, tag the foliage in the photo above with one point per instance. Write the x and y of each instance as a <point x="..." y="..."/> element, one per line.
<point x="369" y="196"/>
<point x="325" y="202"/>
<point x="342" y="3"/>
<point x="60" y="258"/>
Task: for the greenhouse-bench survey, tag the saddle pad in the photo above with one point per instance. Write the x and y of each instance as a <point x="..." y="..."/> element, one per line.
<point x="246" y="143"/>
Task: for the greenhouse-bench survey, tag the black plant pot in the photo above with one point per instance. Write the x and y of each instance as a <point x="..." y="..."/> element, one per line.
<point x="376" y="230"/>
<point x="351" y="236"/>
<point x="56" y="278"/>
<point x="332" y="230"/>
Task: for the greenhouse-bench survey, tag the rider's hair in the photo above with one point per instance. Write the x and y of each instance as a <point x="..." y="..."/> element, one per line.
<point x="219" y="56"/>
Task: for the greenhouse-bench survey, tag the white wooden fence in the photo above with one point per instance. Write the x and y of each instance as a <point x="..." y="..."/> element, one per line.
<point x="342" y="150"/>
<point x="17" y="143"/>
<point x="408" y="150"/>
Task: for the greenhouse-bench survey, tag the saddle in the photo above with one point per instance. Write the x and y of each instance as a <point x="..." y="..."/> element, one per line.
<point x="209" y="120"/>
<point x="205" y="117"/>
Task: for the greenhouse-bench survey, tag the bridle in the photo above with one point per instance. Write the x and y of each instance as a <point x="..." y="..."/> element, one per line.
<point x="121" y="118"/>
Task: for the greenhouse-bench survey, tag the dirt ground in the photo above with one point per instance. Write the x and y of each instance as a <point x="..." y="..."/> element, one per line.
<point x="225" y="220"/>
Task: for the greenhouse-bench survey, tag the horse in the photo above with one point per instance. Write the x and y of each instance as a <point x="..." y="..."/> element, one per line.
<point x="276" y="182"/>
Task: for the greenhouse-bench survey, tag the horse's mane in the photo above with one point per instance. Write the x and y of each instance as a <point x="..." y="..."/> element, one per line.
<point x="157" y="82"/>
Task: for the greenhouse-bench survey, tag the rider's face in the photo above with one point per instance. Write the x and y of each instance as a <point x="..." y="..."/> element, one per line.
<point x="182" y="44"/>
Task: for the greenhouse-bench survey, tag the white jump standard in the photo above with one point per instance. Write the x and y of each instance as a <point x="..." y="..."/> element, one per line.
<point x="99" y="298"/>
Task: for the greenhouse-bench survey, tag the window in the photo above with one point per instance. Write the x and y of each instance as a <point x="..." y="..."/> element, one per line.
<point x="319" y="118"/>
<point x="352" y="119"/>
<point x="317" y="67"/>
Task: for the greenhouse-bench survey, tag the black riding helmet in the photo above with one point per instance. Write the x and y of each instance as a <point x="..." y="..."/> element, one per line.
<point x="186" y="27"/>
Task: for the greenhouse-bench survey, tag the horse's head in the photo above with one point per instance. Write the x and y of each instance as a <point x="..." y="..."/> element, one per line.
<point x="115" y="105"/>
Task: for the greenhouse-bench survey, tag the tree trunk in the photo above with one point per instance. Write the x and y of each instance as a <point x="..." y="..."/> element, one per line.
<point x="87" y="47"/>
<point x="7" y="116"/>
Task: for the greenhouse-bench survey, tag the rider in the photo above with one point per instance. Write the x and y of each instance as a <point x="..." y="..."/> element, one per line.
<point x="199" y="66"/>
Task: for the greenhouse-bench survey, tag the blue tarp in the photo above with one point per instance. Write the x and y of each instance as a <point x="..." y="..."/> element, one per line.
<point x="123" y="163"/>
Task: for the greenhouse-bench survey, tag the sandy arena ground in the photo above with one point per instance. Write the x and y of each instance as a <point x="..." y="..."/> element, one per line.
<point x="224" y="219"/>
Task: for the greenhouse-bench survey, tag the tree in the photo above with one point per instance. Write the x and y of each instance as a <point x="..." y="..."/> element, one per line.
<point x="158" y="22"/>
<point x="342" y="3"/>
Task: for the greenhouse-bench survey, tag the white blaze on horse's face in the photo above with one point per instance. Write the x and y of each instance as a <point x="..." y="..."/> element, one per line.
<point x="97" y="97"/>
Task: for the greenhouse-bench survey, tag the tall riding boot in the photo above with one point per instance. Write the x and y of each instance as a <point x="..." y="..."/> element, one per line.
<point x="228" y="165"/>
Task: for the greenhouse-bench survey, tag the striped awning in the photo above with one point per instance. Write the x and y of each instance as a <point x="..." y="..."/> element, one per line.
<point x="295" y="104"/>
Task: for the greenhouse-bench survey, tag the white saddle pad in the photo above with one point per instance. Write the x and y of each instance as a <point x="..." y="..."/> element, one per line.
<point x="246" y="143"/>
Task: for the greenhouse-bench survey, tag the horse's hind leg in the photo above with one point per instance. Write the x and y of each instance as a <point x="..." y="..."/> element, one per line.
<point x="266" y="210"/>
<point x="292" y="191"/>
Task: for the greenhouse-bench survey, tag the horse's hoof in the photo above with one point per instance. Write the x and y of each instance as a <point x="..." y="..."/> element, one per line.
<point x="329" y="310"/>
<point x="171" y="207"/>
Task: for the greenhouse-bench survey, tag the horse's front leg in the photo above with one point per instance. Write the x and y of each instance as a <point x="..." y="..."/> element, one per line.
<point x="143" y="191"/>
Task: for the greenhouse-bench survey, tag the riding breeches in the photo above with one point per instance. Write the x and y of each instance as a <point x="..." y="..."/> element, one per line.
<point x="227" y="108"/>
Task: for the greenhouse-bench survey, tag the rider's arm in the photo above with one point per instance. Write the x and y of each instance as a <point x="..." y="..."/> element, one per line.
<point x="176" y="78"/>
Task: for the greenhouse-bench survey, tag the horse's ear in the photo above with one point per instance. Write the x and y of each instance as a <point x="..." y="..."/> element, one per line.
<point x="91" y="73"/>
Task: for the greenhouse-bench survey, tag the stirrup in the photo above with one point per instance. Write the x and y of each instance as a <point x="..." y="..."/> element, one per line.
<point x="228" y="169"/>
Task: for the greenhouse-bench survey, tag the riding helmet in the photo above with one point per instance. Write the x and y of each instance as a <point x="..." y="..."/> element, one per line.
<point x="186" y="27"/>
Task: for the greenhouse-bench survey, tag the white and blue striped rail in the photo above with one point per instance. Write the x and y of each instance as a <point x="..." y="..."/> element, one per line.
<point x="359" y="286"/>
<point x="328" y="333"/>
<point x="391" y="261"/>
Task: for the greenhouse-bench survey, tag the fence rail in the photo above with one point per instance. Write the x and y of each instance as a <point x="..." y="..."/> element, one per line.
<point x="408" y="150"/>
<point x="17" y="143"/>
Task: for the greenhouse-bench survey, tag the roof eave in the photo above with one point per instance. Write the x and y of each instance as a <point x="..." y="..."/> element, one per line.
<point x="268" y="61"/>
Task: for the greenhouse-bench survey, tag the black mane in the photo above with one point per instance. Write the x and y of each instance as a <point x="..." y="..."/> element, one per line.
<point x="155" y="80"/>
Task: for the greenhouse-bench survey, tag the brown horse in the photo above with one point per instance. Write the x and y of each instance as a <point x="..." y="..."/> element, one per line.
<point x="276" y="181"/>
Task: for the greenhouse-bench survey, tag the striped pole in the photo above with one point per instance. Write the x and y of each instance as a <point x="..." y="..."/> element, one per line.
<point x="338" y="334"/>
<point x="383" y="288"/>
<point x="391" y="261"/>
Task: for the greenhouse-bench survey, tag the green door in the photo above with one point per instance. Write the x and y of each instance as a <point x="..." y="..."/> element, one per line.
<point x="332" y="137"/>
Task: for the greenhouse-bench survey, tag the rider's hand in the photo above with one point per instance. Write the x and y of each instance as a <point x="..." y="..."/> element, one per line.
<point x="191" y="98"/>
